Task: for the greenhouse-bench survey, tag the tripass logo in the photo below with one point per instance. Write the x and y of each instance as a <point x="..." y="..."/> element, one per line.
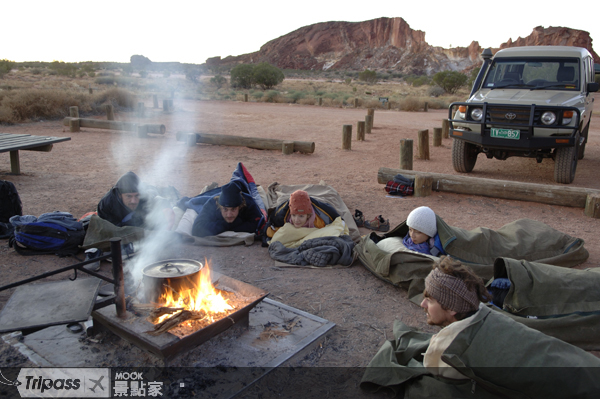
<point x="64" y="382"/>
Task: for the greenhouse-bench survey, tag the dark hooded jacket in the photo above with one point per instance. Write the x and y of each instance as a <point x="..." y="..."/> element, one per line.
<point x="210" y="222"/>
<point x="112" y="208"/>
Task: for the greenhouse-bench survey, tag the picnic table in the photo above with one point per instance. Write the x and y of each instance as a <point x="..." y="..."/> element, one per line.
<point x="14" y="142"/>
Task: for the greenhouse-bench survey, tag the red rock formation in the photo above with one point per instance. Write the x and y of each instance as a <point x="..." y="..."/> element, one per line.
<point x="555" y="36"/>
<point x="385" y="44"/>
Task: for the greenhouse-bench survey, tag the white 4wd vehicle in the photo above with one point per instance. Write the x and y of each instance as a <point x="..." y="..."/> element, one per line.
<point x="531" y="102"/>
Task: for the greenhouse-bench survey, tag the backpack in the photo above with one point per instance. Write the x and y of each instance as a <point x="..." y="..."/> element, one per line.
<point x="52" y="233"/>
<point x="10" y="202"/>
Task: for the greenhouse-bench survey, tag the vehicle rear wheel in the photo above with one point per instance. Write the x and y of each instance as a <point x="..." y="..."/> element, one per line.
<point x="565" y="164"/>
<point x="581" y="149"/>
<point x="464" y="156"/>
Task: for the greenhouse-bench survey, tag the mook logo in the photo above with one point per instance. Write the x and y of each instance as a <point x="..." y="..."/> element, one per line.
<point x="133" y="384"/>
<point x="64" y="382"/>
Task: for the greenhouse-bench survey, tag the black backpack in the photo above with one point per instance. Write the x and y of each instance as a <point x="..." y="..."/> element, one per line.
<point x="53" y="233"/>
<point x="10" y="205"/>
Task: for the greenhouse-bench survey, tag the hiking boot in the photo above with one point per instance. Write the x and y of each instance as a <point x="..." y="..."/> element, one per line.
<point x="378" y="224"/>
<point x="93" y="253"/>
<point x="359" y="218"/>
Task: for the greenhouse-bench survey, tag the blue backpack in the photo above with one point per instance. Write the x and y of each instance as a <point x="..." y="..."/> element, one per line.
<point x="52" y="233"/>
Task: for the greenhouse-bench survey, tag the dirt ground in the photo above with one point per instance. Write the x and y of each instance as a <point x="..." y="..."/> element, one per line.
<point x="75" y="175"/>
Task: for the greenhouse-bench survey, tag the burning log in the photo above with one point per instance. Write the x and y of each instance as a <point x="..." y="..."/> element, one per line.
<point x="175" y="320"/>
<point x="163" y="310"/>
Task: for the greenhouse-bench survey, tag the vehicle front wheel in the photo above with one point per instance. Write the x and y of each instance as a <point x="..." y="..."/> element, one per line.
<point x="565" y="164"/>
<point x="464" y="156"/>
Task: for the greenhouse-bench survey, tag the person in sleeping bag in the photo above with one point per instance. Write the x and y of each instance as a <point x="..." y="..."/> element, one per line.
<point x="230" y="210"/>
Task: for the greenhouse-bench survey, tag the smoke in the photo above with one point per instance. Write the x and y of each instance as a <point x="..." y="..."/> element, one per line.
<point x="163" y="175"/>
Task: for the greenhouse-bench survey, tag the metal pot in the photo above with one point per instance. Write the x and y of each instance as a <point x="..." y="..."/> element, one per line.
<point x="170" y="275"/>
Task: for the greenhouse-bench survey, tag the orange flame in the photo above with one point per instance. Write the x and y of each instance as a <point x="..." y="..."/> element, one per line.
<point x="201" y="296"/>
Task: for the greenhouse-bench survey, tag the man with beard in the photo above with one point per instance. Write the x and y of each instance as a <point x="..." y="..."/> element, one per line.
<point x="123" y="205"/>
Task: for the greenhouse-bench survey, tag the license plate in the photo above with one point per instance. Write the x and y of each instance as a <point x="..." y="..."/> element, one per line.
<point x="505" y="134"/>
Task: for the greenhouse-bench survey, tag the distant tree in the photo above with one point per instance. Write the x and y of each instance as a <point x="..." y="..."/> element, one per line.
<point x="139" y="61"/>
<point x="473" y="76"/>
<point x="218" y="81"/>
<point x="368" y="76"/>
<point x="5" y="67"/>
<point x="242" y="76"/>
<point x="193" y="73"/>
<point x="450" y="81"/>
<point x="267" y="76"/>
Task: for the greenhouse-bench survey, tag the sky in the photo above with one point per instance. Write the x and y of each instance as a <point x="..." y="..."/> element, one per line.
<point x="192" y="31"/>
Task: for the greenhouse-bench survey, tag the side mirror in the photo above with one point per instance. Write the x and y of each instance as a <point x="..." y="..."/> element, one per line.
<point x="592" y="87"/>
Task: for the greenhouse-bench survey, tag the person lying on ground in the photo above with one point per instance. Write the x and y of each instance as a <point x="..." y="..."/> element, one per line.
<point x="230" y="210"/>
<point x="131" y="203"/>
<point x="422" y="230"/>
<point x="478" y="352"/>
<point x="301" y="211"/>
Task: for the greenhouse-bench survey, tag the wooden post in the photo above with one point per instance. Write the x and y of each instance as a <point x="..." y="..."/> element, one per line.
<point x="110" y="113"/>
<point x="406" y="154"/>
<point x="15" y="165"/>
<point x="368" y="123"/>
<point x="437" y="136"/>
<point x="347" y="137"/>
<point x="74" y="112"/>
<point x="117" y="271"/>
<point x="388" y="105"/>
<point x="423" y="185"/>
<point x="320" y="101"/>
<point x="140" y="110"/>
<point x="445" y="128"/>
<point x="192" y="139"/>
<point x="371" y="112"/>
<point x="426" y="107"/>
<point x="74" y="125"/>
<point x="423" y="144"/>
<point x="165" y="105"/>
<point x="155" y="101"/>
<point x="287" y="147"/>
<point x="360" y="131"/>
<point x="355" y="102"/>
<point x="245" y="97"/>
<point x="592" y="206"/>
<point x="91" y="91"/>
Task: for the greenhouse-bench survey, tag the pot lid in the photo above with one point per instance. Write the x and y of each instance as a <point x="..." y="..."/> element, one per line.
<point x="172" y="268"/>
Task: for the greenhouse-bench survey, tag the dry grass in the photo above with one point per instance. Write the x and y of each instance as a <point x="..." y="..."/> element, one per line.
<point x="34" y="94"/>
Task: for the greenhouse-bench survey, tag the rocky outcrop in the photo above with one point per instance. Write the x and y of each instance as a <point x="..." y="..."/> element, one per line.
<point x="383" y="44"/>
<point x="555" y="36"/>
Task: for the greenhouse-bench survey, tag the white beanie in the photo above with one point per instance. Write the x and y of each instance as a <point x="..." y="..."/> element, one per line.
<point x="423" y="219"/>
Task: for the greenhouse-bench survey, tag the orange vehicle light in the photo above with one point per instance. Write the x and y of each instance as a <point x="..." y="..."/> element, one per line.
<point x="462" y="108"/>
<point x="568" y="114"/>
<point x="562" y="141"/>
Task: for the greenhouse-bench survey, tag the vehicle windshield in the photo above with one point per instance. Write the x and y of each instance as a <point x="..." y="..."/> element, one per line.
<point x="533" y="74"/>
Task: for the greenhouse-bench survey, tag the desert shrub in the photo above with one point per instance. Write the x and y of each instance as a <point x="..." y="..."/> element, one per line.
<point x="450" y="81"/>
<point x="320" y="93"/>
<point x="258" y="95"/>
<point x="330" y="95"/>
<point x="435" y="91"/>
<point x="348" y="81"/>
<point x="36" y="104"/>
<point x="5" y="67"/>
<point x="92" y="74"/>
<point x="267" y="76"/>
<point x="106" y="74"/>
<point x="271" y="96"/>
<point x="218" y="81"/>
<point x="105" y="80"/>
<point x="294" y="96"/>
<point x="36" y="71"/>
<point x="368" y="76"/>
<point x="411" y="104"/>
<point x="371" y="103"/>
<point x="117" y="97"/>
<point x="241" y="76"/>
<point x="307" y="101"/>
<point x="81" y="74"/>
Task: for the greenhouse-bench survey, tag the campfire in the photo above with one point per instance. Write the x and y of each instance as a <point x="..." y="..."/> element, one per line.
<point x="187" y="300"/>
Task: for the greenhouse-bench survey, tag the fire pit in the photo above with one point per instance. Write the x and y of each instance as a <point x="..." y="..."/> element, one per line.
<point x="193" y="304"/>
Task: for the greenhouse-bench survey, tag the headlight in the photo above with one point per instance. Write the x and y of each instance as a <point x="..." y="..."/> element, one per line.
<point x="476" y="114"/>
<point x="548" y="118"/>
<point x="567" y="117"/>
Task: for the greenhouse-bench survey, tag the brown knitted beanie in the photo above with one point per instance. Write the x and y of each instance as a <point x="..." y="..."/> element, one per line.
<point x="451" y="292"/>
<point x="300" y="203"/>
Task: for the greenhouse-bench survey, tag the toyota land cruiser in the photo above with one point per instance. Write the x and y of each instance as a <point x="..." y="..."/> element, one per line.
<point x="531" y="102"/>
